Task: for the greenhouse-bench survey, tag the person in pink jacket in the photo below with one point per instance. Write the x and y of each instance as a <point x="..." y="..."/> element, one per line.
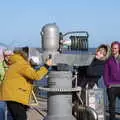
<point x="112" y="77"/>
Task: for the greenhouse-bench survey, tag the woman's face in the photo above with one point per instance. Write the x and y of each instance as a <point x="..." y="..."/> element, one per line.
<point x="101" y="53"/>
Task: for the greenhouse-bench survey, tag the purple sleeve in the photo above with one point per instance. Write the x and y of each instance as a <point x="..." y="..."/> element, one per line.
<point x="106" y="74"/>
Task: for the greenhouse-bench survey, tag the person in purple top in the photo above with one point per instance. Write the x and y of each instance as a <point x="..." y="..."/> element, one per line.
<point x="112" y="77"/>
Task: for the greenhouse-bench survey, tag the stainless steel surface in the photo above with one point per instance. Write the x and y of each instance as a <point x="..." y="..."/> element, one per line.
<point x="50" y="37"/>
<point x="60" y="104"/>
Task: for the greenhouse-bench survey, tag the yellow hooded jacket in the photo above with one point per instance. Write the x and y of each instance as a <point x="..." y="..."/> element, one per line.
<point x="17" y="85"/>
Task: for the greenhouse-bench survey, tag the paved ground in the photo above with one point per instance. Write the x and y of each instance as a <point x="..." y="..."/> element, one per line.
<point x="36" y="112"/>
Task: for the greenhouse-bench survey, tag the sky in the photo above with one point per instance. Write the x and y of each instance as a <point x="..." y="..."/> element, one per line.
<point x="22" y="20"/>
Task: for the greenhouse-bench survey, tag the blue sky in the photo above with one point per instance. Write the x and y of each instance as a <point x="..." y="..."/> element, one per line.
<point x="21" y="21"/>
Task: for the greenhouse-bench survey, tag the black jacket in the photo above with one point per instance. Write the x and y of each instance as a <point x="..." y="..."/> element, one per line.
<point x="95" y="69"/>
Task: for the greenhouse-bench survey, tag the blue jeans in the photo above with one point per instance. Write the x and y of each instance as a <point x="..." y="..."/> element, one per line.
<point x="2" y="110"/>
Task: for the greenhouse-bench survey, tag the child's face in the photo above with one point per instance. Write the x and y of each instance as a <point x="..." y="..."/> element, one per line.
<point x="101" y="53"/>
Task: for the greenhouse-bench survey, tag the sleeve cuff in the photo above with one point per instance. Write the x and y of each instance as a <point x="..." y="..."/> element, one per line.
<point x="46" y="66"/>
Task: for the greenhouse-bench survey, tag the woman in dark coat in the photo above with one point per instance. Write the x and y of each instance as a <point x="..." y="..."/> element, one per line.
<point x="89" y="75"/>
<point x="95" y="69"/>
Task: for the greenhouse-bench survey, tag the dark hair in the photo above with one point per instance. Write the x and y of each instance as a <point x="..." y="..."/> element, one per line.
<point x="26" y="49"/>
<point x="115" y="42"/>
<point x="103" y="46"/>
<point x="24" y="52"/>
